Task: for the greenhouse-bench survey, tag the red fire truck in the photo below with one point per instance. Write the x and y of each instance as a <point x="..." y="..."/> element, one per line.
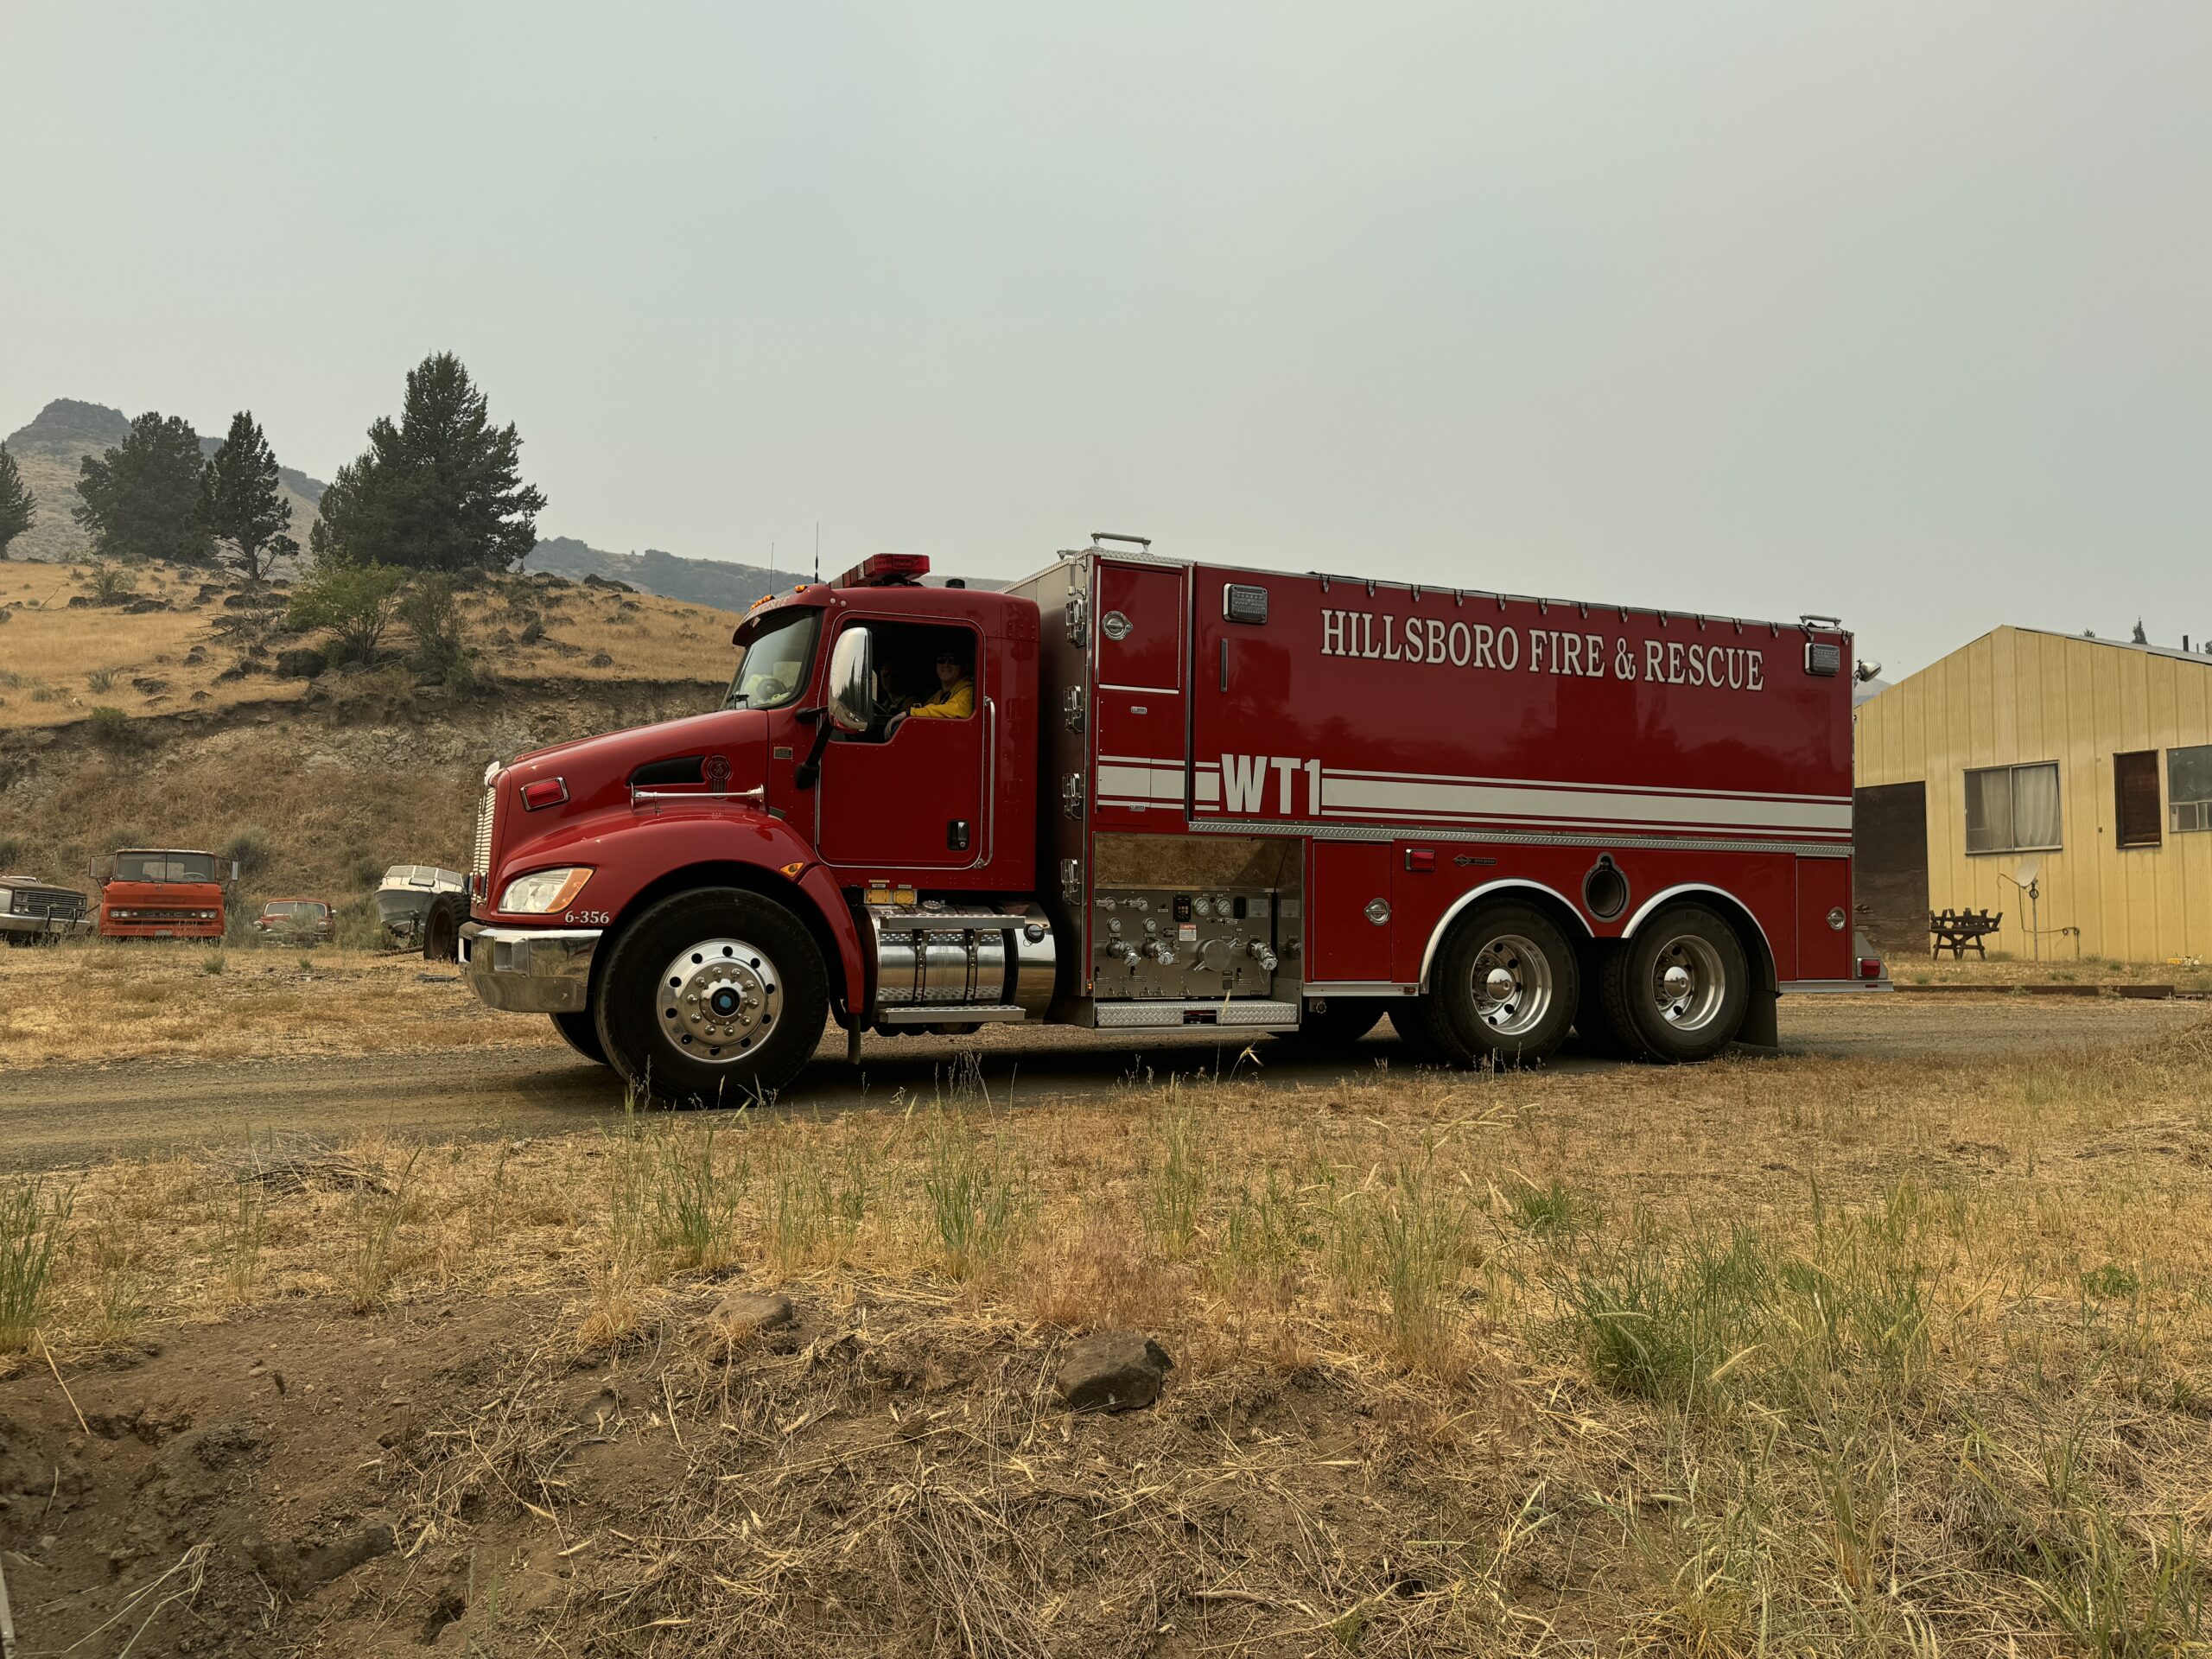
<point x="1135" y="793"/>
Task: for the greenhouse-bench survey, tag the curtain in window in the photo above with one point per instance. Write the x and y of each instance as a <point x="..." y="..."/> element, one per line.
<point x="1989" y="810"/>
<point x="2035" y="806"/>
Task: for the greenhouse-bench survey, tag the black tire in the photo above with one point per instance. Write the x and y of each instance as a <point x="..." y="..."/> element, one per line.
<point x="441" y="930"/>
<point x="1524" y="1006"/>
<point x="670" y="967"/>
<point x="1595" y="1033"/>
<point x="580" y="1033"/>
<point x="1408" y="1017"/>
<point x="1693" y="1018"/>
<point x="1335" y="1021"/>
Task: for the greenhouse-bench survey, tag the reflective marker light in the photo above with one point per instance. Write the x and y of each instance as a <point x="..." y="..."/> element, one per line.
<point x="543" y="890"/>
<point x="545" y="791"/>
<point x="1869" y="967"/>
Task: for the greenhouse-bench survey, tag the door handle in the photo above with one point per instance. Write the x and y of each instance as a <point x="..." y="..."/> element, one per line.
<point x="1225" y="666"/>
<point x="956" y="834"/>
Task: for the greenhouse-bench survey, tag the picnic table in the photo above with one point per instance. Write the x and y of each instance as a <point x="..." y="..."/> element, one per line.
<point x="1961" y="931"/>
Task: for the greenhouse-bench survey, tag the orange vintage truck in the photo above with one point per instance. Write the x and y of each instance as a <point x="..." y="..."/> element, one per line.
<point x="163" y="893"/>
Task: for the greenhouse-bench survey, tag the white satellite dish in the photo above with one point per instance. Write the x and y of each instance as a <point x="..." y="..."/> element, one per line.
<point x="2025" y="873"/>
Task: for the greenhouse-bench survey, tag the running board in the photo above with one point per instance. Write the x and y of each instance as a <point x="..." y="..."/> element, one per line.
<point x="951" y="1014"/>
<point x="1264" y="1016"/>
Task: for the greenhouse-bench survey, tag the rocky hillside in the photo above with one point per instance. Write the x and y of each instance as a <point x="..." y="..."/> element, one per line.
<point x="187" y="716"/>
<point x="47" y="452"/>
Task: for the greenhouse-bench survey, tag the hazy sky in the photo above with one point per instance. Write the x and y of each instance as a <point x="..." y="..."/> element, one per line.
<point x="1902" y="312"/>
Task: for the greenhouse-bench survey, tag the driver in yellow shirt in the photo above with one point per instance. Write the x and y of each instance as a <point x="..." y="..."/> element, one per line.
<point x="955" y="697"/>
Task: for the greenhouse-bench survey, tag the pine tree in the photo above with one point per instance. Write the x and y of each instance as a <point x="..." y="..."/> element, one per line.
<point x="441" y="490"/>
<point x="242" y="503"/>
<point x="2141" y="637"/>
<point x="18" y="506"/>
<point x="142" y="497"/>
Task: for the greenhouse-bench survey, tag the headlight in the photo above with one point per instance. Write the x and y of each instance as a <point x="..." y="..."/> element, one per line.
<point x="543" y="891"/>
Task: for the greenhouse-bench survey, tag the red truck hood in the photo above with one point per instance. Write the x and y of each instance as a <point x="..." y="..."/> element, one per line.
<point x="731" y="747"/>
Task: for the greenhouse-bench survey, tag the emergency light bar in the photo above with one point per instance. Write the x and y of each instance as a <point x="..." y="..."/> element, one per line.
<point x="888" y="570"/>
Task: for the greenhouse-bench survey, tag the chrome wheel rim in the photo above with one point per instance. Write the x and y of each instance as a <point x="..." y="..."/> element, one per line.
<point x="719" y="999"/>
<point x="1512" y="985"/>
<point x="1688" y="984"/>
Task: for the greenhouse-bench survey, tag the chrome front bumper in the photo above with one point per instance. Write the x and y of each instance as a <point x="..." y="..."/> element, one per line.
<point x="528" y="969"/>
<point x="49" y="927"/>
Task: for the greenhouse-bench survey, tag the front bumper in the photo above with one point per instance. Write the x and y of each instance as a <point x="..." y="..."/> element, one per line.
<point x="528" y="969"/>
<point x="58" y="927"/>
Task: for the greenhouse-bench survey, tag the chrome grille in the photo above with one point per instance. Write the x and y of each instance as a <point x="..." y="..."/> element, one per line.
<point x="480" y="859"/>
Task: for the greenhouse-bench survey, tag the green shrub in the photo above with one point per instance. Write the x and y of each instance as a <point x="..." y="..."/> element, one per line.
<point x="251" y="849"/>
<point x="111" y="729"/>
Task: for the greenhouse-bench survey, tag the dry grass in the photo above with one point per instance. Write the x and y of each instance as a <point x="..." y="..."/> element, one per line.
<point x="69" y="1002"/>
<point x="1797" y="1356"/>
<point x="2060" y="969"/>
<point x="49" y="649"/>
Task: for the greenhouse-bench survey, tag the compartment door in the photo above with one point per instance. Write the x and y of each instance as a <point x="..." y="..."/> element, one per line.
<point x="1823" y="951"/>
<point x="1139" y="762"/>
<point x="1342" y="942"/>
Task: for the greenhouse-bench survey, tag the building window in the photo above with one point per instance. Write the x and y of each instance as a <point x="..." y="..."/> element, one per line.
<point x="2189" y="788"/>
<point x="2136" y="819"/>
<point x="2013" y="809"/>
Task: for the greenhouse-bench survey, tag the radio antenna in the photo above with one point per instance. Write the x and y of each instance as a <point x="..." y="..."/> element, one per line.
<point x="772" y="566"/>
<point x="817" y="550"/>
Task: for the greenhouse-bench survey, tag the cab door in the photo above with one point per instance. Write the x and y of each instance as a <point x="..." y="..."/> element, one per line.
<point x="911" y="801"/>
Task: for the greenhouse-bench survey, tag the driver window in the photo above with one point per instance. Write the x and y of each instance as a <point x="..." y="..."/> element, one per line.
<point x="922" y="673"/>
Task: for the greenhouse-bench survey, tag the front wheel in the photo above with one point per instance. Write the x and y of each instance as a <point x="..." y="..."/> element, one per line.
<point x="580" y="1033"/>
<point x="1679" y="990"/>
<point x="1503" y="990"/>
<point x="714" y="997"/>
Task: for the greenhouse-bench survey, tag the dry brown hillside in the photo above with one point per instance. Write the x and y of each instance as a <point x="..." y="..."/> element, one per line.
<point x="164" y="719"/>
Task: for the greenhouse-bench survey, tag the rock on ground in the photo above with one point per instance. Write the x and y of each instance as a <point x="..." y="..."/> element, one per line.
<point x="1113" y="1370"/>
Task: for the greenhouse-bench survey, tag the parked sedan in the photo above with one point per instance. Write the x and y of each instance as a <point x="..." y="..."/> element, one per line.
<point x="296" y="918"/>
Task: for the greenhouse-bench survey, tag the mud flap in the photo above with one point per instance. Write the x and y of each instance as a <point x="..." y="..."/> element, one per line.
<point x="1761" y="1027"/>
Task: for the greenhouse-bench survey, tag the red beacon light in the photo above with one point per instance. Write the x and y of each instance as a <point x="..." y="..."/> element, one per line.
<point x="888" y="570"/>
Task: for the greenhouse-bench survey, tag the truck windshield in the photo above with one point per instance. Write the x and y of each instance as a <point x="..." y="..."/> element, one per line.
<point x="164" y="867"/>
<point x="772" y="666"/>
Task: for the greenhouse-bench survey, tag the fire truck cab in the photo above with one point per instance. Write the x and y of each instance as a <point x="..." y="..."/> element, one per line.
<point x="1138" y="793"/>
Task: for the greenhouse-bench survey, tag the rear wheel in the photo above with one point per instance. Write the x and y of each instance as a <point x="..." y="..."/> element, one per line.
<point x="441" y="929"/>
<point x="711" y="998"/>
<point x="1503" y="990"/>
<point x="580" y="1033"/>
<point x="1336" y="1021"/>
<point x="1679" y="990"/>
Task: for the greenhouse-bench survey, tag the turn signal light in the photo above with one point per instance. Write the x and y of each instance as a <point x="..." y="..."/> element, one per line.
<point x="1869" y="967"/>
<point x="545" y="791"/>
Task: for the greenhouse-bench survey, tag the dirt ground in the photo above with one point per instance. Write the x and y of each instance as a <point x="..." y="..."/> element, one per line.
<point x="427" y="1349"/>
<point x="443" y="1066"/>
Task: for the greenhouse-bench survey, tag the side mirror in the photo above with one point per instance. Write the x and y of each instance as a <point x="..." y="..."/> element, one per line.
<point x="852" y="681"/>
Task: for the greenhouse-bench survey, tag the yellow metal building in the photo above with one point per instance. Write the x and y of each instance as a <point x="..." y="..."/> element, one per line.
<point x="2081" y="766"/>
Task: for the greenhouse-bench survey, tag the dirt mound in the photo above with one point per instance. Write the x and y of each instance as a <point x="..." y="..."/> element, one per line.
<point x="882" y="1477"/>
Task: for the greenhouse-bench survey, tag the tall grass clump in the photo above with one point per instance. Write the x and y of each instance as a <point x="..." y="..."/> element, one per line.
<point x="1175" y="1199"/>
<point x="976" y="1202"/>
<point x="1666" y="1323"/>
<point x="374" y="1218"/>
<point x="239" y="1230"/>
<point x="1420" y="1246"/>
<point x="696" y="1197"/>
<point x="32" y="1222"/>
